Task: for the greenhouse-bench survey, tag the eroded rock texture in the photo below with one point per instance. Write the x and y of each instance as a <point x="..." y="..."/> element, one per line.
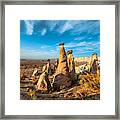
<point x="94" y="64"/>
<point x="61" y="76"/>
<point x="70" y="61"/>
<point x="62" y="65"/>
<point x="43" y="82"/>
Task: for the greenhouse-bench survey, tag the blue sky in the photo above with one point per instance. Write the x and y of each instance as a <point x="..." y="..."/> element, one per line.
<point x="39" y="39"/>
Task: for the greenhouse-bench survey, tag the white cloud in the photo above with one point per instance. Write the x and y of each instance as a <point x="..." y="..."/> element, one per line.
<point x="72" y="44"/>
<point x="29" y="27"/>
<point x="67" y="26"/>
<point x="79" y="38"/>
<point x="43" y="32"/>
<point x="45" y="47"/>
<point x="82" y="44"/>
<point x="52" y="24"/>
<point x="75" y="26"/>
<point x="87" y="27"/>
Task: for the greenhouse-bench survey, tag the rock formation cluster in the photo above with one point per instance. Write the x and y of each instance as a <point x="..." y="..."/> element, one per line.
<point x="63" y="78"/>
<point x="64" y="71"/>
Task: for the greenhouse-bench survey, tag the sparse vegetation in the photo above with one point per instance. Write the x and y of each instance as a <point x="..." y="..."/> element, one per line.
<point x="85" y="86"/>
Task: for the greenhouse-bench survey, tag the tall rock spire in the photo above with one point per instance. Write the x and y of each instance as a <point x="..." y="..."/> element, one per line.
<point x="61" y="77"/>
<point x="70" y="61"/>
<point x="94" y="64"/>
<point x="62" y="65"/>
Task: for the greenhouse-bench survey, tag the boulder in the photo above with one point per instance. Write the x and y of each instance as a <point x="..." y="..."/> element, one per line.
<point x="61" y="81"/>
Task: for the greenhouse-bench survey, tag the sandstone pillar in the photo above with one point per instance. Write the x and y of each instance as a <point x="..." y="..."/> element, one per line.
<point x="47" y="67"/>
<point x="94" y="64"/>
<point x="61" y="77"/>
<point x="43" y="82"/>
<point x="70" y="61"/>
<point x="62" y="65"/>
<point x="56" y="64"/>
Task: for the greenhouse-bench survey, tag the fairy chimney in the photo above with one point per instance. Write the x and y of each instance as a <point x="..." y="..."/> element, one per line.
<point x="94" y="64"/>
<point x="43" y="82"/>
<point x="61" y="77"/>
<point x="62" y="65"/>
<point x="48" y="70"/>
<point x="55" y="64"/>
<point x="47" y="67"/>
<point x="70" y="61"/>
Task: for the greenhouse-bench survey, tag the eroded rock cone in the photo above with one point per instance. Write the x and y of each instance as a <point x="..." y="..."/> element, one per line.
<point x="71" y="66"/>
<point x="94" y="64"/>
<point x="48" y="67"/>
<point x="43" y="82"/>
<point x="56" y="64"/>
<point x="70" y="61"/>
<point x="61" y="77"/>
<point x="62" y="65"/>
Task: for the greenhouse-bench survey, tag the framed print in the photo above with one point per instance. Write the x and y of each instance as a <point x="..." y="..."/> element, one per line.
<point x="60" y="60"/>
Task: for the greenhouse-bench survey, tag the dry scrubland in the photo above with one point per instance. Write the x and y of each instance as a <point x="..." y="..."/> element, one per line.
<point x="85" y="85"/>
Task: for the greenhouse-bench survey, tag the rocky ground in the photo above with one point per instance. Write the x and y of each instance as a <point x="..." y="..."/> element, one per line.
<point x="85" y="87"/>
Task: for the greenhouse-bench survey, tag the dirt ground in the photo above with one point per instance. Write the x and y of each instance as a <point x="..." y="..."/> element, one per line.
<point x="86" y="86"/>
